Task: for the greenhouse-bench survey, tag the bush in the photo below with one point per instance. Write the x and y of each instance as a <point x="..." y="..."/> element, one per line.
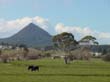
<point x="56" y="57"/>
<point x="5" y="58"/>
<point x="106" y="57"/>
<point x="47" y="54"/>
<point x="33" y="56"/>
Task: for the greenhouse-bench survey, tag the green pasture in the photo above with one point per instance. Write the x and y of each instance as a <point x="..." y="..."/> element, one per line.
<point x="55" y="70"/>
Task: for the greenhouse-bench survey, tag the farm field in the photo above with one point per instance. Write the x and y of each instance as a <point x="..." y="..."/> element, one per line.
<point x="56" y="70"/>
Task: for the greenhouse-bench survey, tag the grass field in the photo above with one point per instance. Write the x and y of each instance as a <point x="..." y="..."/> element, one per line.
<point x="56" y="71"/>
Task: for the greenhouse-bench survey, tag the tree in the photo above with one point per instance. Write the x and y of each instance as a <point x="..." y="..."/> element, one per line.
<point x="88" y="42"/>
<point x="106" y="57"/>
<point x="104" y="52"/>
<point x="64" y="42"/>
<point x="0" y="52"/>
<point x="25" y="49"/>
<point x="22" y="46"/>
<point x="90" y="38"/>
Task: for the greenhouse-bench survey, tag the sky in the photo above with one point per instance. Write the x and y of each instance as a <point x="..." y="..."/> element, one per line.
<point x="80" y="17"/>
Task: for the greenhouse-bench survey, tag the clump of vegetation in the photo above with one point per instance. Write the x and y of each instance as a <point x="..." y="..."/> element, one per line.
<point x="106" y="57"/>
<point x="33" y="54"/>
<point x="81" y="54"/>
<point x="22" y="53"/>
<point x="5" y="58"/>
<point x="47" y="54"/>
<point x="33" y="57"/>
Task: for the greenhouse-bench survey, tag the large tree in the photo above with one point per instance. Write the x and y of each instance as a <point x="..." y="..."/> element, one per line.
<point x="64" y="41"/>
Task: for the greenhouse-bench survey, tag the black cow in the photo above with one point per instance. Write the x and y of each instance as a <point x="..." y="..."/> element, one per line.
<point x="33" y="68"/>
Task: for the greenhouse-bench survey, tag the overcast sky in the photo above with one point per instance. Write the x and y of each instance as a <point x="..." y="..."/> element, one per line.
<point x="80" y="17"/>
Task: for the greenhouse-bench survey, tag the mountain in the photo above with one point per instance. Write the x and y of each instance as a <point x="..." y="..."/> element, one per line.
<point x="31" y="35"/>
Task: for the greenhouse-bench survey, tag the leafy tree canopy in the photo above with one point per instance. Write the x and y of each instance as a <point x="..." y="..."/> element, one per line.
<point x="64" y="40"/>
<point x="90" y="38"/>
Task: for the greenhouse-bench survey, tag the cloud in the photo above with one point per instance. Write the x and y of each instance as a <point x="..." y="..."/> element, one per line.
<point x="44" y="23"/>
<point x="104" y="35"/>
<point x="73" y="29"/>
<point x="82" y="31"/>
<point x="8" y="28"/>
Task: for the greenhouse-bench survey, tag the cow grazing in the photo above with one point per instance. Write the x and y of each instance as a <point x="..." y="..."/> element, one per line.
<point x="33" y="68"/>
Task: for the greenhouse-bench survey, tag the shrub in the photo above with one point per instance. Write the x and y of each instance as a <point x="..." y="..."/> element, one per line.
<point x="106" y="57"/>
<point x="56" y="57"/>
<point x="33" y="56"/>
<point x="5" y="58"/>
<point x="47" y="54"/>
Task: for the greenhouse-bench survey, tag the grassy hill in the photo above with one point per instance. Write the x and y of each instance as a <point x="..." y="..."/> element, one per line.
<point x="51" y="70"/>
